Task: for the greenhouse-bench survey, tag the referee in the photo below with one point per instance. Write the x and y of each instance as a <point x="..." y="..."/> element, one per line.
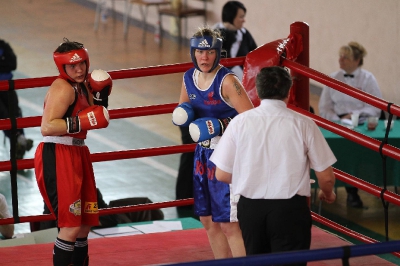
<point x="266" y="154"/>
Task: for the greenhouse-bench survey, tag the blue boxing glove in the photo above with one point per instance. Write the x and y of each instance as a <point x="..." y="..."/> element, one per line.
<point x="183" y="115"/>
<point x="207" y="127"/>
<point x="204" y="128"/>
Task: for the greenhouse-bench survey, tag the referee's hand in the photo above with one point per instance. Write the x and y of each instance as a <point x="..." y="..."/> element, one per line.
<point x="327" y="197"/>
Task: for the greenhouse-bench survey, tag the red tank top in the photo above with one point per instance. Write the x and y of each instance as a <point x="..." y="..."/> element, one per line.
<point x="81" y="102"/>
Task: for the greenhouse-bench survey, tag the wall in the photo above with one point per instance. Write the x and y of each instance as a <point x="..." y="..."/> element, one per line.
<point x="372" y="23"/>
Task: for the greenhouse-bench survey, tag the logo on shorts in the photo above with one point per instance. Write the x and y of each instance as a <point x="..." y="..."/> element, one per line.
<point x="91" y="207"/>
<point x="75" y="208"/>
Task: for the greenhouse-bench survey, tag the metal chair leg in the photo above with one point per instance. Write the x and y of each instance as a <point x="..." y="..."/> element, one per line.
<point x="97" y="15"/>
<point x="128" y="7"/>
<point x="179" y="22"/>
<point x="144" y="12"/>
<point x="161" y="29"/>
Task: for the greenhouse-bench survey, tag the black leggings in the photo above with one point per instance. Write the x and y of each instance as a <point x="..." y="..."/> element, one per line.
<point x="4" y="109"/>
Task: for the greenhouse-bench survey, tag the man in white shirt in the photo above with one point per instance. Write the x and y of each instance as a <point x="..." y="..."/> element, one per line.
<point x="266" y="154"/>
<point x="335" y="105"/>
<point x="7" y="230"/>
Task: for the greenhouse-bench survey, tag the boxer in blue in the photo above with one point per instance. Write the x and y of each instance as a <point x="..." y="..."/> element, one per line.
<point x="211" y="95"/>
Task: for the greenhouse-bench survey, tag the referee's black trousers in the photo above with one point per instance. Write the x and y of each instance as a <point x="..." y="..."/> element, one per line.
<point x="278" y="225"/>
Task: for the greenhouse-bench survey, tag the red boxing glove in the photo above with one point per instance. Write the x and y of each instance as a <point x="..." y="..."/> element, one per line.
<point x="93" y="117"/>
<point x="100" y="85"/>
<point x="99" y="80"/>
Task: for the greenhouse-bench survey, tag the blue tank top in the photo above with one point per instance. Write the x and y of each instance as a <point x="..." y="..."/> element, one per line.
<point x="209" y="102"/>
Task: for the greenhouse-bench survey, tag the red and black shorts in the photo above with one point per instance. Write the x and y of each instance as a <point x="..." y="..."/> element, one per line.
<point x="64" y="174"/>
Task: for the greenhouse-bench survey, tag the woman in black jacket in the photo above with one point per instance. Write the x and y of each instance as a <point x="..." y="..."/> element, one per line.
<point x="237" y="40"/>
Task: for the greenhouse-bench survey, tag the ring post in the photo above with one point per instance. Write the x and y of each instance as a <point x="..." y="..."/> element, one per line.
<point x="301" y="84"/>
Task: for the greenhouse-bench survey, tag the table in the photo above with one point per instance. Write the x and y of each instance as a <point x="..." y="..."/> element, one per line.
<point x="362" y="162"/>
<point x="179" y="12"/>
<point x="143" y="5"/>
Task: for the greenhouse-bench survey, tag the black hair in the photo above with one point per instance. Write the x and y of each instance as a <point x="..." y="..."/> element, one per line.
<point x="230" y="10"/>
<point x="273" y="83"/>
<point x="67" y="46"/>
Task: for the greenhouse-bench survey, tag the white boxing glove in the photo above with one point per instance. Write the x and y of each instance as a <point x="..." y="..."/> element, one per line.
<point x="183" y="114"/>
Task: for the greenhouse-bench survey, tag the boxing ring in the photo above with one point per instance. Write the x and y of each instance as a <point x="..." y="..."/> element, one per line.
<point x="291" y="52"/>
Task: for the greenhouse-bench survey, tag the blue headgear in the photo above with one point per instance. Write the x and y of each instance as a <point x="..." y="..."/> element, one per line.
<point x="206" y="43"/>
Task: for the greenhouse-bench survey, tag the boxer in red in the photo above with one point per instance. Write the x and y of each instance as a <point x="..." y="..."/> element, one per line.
<point x="75" y="103"/>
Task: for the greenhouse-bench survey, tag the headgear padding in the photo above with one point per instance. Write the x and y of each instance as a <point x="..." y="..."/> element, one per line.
<point x="206" y="43"/>
<point x="70" y="58"/>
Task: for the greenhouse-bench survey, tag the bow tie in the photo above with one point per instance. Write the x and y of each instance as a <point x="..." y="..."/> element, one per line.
<point x="349" y="75"/>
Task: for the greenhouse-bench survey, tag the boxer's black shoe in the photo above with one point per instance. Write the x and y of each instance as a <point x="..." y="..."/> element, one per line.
<point x="21" y="149"/>
<point x="354" y="200"/>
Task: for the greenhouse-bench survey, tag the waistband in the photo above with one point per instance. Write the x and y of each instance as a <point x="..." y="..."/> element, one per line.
<point x="210" y="143"/>
<point x="295" y="197"/>
<point x="64" y="140"/>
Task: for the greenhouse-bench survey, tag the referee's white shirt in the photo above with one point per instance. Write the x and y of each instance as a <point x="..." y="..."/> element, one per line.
<point x="269" y="151"/>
